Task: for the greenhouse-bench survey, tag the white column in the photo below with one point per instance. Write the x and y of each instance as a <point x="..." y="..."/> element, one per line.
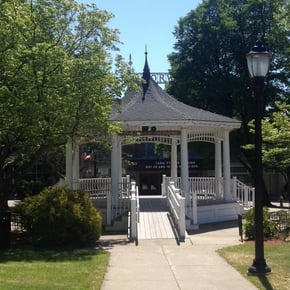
<point x="76" y="164"/>
<point x="227" y="167"/>
<point x="120" y="159"/>
<point x="173" y="168"/>
<point x="184" y="165"/>
<point x="115" y="167"/>
<point x="218" y="166"/>
<point x="185" y="179"/>
<point x="69" y="164"/>
<point x="114" y="177"/>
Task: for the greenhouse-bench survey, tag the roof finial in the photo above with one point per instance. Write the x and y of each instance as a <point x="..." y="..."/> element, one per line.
<point x="146" y="70"/>
<point x="130" y="60"/>
<point x="146" y="74"/>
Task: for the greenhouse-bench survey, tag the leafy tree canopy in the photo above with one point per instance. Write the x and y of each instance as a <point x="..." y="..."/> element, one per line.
<point x="57" y="78"/>
<point x="276" y="141"/>
<point x="209" y="67"/>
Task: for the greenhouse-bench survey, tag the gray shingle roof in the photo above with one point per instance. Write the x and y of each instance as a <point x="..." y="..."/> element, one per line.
<point x="154" y="104"/>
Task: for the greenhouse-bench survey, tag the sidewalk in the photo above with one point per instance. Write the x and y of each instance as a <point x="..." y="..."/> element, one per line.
<point x="163" y="264"/>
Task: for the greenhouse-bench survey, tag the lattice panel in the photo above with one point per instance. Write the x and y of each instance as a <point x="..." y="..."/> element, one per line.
<point x="146" y="139"/>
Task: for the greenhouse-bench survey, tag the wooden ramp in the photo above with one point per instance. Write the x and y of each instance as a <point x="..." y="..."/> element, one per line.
<point x="155" y="222"/>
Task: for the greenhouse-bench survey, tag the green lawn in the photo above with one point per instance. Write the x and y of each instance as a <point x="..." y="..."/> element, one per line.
<point x="24" y="268"/>
<point x="277" y="257"/>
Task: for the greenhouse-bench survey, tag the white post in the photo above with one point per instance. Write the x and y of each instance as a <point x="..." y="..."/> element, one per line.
<point x="120" y="160"/>
<point x="182" y="218"/>
<point x="194" y="212"/>
<point x="76" y="164"/>
<point x="185" y="177"/>
<point x="246" y="194"/>
<point x="235" y="189"/>
<point x="227" y="167"/>
<point x="69" y="164"/>
<point x="133" y="217"/>
<point x="164" y="186"/>
<point x="184" y="165"/>
<point x="173" y="168"/>
<point x="218" y="167"/>
<point x="112" y="200"/>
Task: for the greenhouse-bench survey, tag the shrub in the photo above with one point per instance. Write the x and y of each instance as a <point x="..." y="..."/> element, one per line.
<point x="282" y="220"/>
<point x="269" y="226"/>
<point x="61" y="217"/>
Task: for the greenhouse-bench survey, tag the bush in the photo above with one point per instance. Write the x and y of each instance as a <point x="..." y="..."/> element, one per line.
<point x="268" y="225"/>
<point x="61" y="217"/>
<point x="282" y="220"/>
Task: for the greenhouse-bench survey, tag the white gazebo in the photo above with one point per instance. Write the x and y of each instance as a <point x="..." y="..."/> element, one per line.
<point x="151" y="115"/>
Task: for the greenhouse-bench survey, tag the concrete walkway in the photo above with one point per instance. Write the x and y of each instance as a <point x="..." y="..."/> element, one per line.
<point x="165" y="264"/>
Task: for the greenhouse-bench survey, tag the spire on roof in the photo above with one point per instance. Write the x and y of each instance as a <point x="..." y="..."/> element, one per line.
<point x="146" y="74"/>
<point x="146" y="70"/>
<point x="130" y="60"/>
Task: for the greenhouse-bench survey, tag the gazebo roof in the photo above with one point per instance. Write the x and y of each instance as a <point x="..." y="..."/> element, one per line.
<point x="152" y="103"/>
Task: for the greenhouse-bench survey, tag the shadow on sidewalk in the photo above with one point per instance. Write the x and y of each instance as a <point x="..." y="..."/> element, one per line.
<point x="109" y="241"/>
<point x="211" y="227"/>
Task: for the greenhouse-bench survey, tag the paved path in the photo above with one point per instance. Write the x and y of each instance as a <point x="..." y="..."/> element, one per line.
<point x="163" y="264"/>
<point x="154" y="220"/>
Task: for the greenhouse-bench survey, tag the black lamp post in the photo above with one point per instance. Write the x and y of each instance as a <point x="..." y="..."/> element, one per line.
<point x="258" y="60"/>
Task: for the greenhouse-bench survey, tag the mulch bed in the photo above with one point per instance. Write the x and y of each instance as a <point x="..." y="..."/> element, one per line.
<point x="272" y="242"/>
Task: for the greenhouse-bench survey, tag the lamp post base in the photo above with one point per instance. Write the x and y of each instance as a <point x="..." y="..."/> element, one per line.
<point x="259" y="267"/>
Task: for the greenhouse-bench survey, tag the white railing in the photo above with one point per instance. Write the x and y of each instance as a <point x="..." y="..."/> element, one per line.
<point x="202" y="188"/>
<point x="97" y="188"/>
<point x="134" y="213"/>
<point x="205" y="188"/>
<point x="244" y="194"/>
<point x="101" y="188"/>
<point x="177" y="208"/>
<point x="121" y="202"/>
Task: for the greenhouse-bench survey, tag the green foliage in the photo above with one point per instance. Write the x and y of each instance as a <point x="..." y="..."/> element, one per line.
<point x="209" y="68"/>
<point x="276" y="138"/>
<point x="58" y="80"/>
<point x="283" y="224"/>
<point x="61" y="216"/>
<point x="269" y="226"/>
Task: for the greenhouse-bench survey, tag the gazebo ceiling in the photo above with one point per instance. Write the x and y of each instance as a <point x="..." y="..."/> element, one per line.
<point x="153" y="107"/>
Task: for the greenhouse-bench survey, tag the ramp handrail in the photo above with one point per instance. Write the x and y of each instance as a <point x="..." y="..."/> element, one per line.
<point x="244" y="194"/>
<point x="177" y="208"/>
<point x="134" y="213"/>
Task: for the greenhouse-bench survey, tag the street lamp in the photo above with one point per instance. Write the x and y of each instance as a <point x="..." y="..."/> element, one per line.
<point x="258" y="60"/>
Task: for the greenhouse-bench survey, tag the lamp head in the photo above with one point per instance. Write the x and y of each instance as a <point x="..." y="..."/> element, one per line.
<point x="258" y="60"/>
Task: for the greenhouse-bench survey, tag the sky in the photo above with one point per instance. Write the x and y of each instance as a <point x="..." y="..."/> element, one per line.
<point x="146" y="23"/>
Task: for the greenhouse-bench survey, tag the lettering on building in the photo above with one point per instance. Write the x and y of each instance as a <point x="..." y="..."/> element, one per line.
<point x="159" y="78"/>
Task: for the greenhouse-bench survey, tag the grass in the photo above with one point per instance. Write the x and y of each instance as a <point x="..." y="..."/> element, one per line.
<point x="277" y="258"/>
<point x="27" y="268"/>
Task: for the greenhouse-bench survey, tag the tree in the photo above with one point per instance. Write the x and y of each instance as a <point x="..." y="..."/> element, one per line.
<point x="209" y="67"/>
<point x="57" y="80"/>
<point x="276" y="136"/>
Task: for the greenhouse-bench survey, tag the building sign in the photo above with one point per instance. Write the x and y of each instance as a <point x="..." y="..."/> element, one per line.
<point x="159" y="78"/>
<point x="158" y="165"/>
